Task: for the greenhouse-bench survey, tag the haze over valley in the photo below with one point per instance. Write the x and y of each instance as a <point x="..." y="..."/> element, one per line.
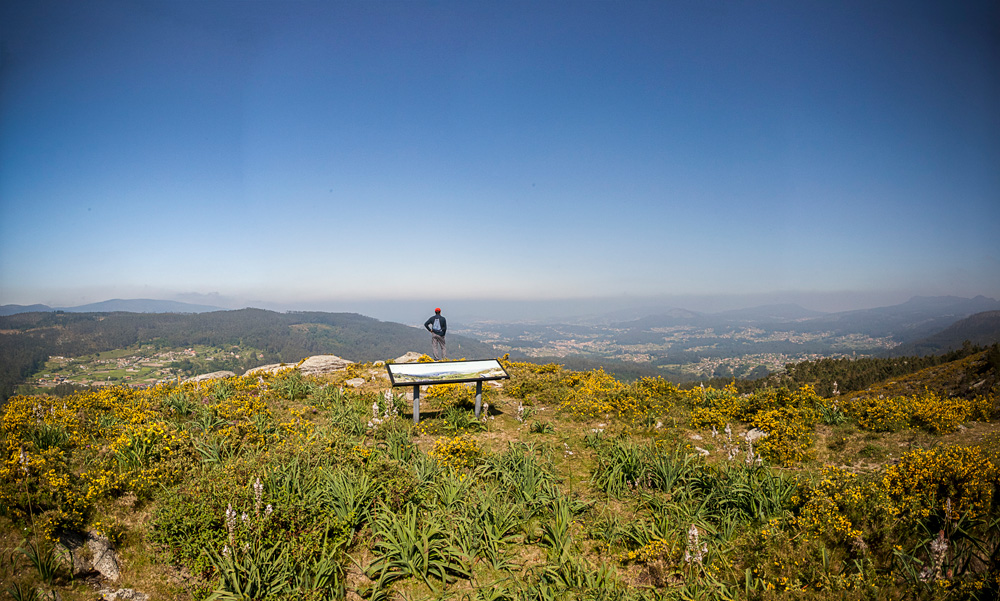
<point x="138" y="344"/>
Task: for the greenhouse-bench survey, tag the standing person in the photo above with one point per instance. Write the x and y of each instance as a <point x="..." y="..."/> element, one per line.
<point x="437" y="326"/>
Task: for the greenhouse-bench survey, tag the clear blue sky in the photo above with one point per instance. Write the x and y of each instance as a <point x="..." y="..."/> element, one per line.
<point x="299" y="152"/>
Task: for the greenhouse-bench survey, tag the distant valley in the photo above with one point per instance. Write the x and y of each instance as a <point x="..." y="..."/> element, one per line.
<point x="683" y="344"/>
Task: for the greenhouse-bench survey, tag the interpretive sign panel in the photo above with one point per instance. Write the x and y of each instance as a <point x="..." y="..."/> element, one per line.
<point x="445" y="372"/>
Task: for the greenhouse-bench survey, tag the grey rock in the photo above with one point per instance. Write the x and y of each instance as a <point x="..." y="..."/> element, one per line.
<point x="754" y="435"/>
<point x="215" y="375"/>
<point x="72" y="552"/>
<point x="323" y="364"/>
<point x="89" y="553"/>
<point x="311" y="366"/>
<point x="105" y="558"/>
<point x="410" y="357"/>
<point x="355" y="382"/>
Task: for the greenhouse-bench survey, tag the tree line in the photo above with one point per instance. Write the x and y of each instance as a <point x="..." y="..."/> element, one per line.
<point x="854" y="374"/>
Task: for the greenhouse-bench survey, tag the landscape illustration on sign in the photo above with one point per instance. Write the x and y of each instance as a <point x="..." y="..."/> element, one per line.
<point x="457" y="371"/>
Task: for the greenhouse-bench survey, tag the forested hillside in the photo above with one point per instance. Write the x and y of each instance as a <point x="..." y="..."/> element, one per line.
<point x="849" y="375"/>
<point x="844" y="375"/>
<point x="981" y="328"/>
<point x="28" y="339"/>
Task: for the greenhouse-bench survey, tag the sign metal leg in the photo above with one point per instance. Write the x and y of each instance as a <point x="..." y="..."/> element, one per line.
<point x="416" y="404"/>
<point x="479" y="397"/>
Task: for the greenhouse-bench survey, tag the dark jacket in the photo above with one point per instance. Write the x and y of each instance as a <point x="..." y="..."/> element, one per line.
<point x="441" y="328"/>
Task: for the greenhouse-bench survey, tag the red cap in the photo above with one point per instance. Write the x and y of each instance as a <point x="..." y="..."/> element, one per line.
<point x="438" y="310"/>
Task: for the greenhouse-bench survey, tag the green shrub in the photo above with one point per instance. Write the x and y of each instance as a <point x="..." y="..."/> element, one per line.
<point x="406" y="546"/>
<point x="185" y="523"/>
<point x="292" y="385"/>
<point x="624" y="467"/>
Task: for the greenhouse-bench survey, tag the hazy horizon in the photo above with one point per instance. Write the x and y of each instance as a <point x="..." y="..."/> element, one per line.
<point x="414" y="311"/>
<point x="299" y="153"/>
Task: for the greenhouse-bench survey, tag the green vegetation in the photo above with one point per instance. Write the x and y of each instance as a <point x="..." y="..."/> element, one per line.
<point x="29" y="340"/>
<point x="832" y="376"/>
<point x="573" y="485"/>
<point x="858" y="374"/>
<point x="138" y="365"/>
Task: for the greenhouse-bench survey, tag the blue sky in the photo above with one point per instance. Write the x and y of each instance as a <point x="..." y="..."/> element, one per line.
<point x="313" y="154"/>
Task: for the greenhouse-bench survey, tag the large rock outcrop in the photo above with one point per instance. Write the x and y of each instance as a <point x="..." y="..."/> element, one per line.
<point x="312" y="366"/>
<point x="323" y="364"/>
<point x="410" y="357"/>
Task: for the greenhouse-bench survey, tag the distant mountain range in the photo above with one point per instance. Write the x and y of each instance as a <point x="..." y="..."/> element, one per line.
<point x="135" y="305"/>
<point x="907" y="323"/>
<point x="770" y="314"/>
<point x="917" y="318"/>
<point x="982" y="329"/>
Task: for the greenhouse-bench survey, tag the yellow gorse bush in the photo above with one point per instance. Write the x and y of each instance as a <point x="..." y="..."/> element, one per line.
<point x="924" y="480"/>
<point x="116" y="432"/>
<point x="881" y="414"/>
<point x="939" y="414"/>
<point x="598" y="395"/>
<point x="521" y="367"/>
<point x="827" y="505"/>
<point x="929" y="410"/>
<point x="531" y="381"/>
<point x="838" y="506"/>
<point x="591" y="394"/>
<point x="787" y="417"/>
<point x="240" y="410"/>
<point x="457" y="452"/>
<point x="67" y="453"/>
<point x="655" y="549"/>
<point x="706" y="417"/>
<point x="789" y="434"/>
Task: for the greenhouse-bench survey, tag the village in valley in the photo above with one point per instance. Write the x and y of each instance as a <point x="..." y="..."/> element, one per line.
<point x="138" y="366"/>
<point x="691" y="351"/>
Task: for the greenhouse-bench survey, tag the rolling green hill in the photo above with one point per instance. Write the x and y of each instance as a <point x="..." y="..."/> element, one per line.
<point x="29" y="339"/>
<point x="981" y="328"/>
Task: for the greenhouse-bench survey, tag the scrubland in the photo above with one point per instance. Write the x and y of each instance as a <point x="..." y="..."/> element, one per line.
<point x="570" y="485"/>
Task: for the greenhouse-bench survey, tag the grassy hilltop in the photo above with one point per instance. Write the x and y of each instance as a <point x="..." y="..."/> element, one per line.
<point x="573" y="485"/>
